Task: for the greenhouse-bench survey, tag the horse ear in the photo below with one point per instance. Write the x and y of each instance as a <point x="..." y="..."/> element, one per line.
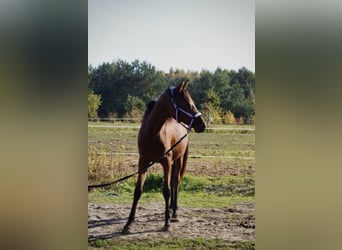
<point x="182" y="86"/>
<point x="185" y="85"/>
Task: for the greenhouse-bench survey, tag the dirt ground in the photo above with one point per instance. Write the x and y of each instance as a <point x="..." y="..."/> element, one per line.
<point x="236" y="223"/>
<point x="231" y="224"/>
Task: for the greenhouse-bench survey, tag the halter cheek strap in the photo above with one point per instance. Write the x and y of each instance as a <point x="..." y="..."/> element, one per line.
<point x="177" y="109"/>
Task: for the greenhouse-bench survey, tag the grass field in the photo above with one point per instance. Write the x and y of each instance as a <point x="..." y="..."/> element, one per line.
<point x="220" y="174"/>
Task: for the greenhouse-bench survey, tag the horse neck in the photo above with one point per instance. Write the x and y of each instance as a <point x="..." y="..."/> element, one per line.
<point x="159" y="114"/>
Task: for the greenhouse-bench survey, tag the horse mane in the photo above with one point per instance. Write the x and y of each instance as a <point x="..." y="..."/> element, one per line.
<point x="149" y="108"/>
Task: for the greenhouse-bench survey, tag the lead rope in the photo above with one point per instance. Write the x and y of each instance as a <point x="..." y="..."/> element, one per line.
<point x="143" y="170"/>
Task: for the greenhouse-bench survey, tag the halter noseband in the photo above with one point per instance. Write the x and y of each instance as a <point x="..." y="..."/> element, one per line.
<point x="177" y="108"/>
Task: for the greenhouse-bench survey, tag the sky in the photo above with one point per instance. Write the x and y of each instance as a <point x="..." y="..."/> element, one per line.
<point x="179" y="34"/>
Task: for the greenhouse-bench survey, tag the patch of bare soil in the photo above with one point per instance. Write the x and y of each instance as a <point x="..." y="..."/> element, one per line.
<point x="231" y="224"/>
<point x="220" y="169"/>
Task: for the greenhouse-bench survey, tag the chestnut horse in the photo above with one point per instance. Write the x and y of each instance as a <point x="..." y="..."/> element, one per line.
<point x="165" y="122"/>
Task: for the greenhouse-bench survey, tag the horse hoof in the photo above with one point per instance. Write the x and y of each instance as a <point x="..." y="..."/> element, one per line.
<point x="166" y="228"/>
<point x="174" y="220"/>
<point x="125" y="230"/>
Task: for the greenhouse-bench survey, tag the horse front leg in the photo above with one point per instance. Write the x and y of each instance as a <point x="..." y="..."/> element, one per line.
<point x="173" y="173"/>
<point x="167" y="191"/>
<point x="174" y="205"/>
<point x="137" y="194"/>
<point x="174" y="187"/>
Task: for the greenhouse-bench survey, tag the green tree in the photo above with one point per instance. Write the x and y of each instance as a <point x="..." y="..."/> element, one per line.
<point x="134" y="102"/>
<point x="115" y="81"/>
<point x="94" y="102"/>
<point x="246" y="80"/>
<point x="212" y="97"/>
<point x="200" y="86"/>
<point x="241" y="107"/>
<point x="119" y="84"/>
<point x="221" y="82"/>
<point x="229" y="118"/>
<point x="212" y="114"/>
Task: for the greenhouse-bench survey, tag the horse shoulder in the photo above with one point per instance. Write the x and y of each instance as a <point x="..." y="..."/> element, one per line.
<point x="171" y="132"/>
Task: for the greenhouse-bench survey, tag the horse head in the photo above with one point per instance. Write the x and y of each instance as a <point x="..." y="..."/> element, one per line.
<point x="185" y="108"/>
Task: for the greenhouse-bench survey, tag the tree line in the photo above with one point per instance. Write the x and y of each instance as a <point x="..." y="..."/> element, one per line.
<point x="122" y="89"/>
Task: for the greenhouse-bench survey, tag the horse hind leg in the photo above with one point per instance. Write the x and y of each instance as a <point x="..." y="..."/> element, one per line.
<point x="137" y="194"/>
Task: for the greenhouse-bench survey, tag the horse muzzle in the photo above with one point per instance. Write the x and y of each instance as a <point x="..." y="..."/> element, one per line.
<point x="199" y="125"/>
